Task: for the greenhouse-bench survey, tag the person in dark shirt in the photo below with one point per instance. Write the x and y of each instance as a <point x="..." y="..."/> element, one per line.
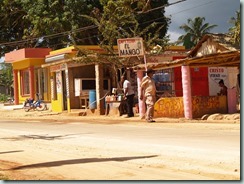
<point x="223" y="90"/>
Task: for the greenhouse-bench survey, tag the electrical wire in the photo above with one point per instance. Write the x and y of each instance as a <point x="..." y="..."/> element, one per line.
<point x="192" y="8"/>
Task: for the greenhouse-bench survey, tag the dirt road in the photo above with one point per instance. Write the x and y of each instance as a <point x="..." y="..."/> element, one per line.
<point x="115" y="149"/>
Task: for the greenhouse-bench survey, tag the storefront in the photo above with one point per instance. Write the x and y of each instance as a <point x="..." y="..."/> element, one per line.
<point x="195" y="86"/>
<point x="29" y="77"/>
<point x="72" y="83"/>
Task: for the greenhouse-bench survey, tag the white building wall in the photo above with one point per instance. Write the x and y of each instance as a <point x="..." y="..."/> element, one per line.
<point x="215" y="74"/>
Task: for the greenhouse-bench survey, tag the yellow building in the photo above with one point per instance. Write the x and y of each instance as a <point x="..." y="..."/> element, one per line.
<point x="29" y="77"/>
<point x="72" y="83"/>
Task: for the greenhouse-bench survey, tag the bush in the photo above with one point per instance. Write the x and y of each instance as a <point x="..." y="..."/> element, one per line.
<point x="3" y="97"/>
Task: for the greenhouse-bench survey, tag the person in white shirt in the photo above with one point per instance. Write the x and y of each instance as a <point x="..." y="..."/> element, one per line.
<point x="129" y="95"/>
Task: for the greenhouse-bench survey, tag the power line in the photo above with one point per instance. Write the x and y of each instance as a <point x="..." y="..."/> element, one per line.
<point x="49" y="36"/>
<point x="192" y="8"/>
<point x="161" y="7"/>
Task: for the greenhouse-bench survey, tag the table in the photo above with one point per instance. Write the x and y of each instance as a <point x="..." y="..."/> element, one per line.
<point x="112" y="105"/>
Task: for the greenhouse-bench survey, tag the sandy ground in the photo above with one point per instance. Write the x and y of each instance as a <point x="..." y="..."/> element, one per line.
<point x="96" y="159"/>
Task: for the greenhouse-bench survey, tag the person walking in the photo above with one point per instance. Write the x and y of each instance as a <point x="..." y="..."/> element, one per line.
<point x="129" y="95"/>
<point x="148" y="93"/>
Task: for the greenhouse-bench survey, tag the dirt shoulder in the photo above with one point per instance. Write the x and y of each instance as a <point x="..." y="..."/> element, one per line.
<point x="19" y="113"/>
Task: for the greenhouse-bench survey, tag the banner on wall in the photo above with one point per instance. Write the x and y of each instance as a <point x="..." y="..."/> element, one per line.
<point x="59" y="82"/>
<point x="215" y="74"/>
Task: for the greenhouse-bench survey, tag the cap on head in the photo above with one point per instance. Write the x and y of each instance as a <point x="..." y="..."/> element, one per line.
<point x="150" y="71"/>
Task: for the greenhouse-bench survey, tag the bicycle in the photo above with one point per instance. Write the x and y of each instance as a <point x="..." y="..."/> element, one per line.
<point x="38" y="105"/>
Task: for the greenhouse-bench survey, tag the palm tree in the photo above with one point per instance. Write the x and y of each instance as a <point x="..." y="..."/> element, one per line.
<point x="235" y="30"/>
<point x="195" y="29"/>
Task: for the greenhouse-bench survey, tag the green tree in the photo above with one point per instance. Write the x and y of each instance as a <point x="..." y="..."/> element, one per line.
<point x="58" y="23"/>
<point x="6" y="77"/>
<point x="235" y="30"/>
<point x="12" y="25"/>
<point x="59" y="20"/>
<point x="194" y="29"/>
<point x="45" y="23"/>
<point x="129" y="18"/>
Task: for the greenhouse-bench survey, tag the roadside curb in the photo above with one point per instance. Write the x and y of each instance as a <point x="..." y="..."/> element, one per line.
<point x="17" y="112"/>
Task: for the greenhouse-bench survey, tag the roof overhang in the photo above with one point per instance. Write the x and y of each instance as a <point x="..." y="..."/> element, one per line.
<point x="223" y="59"/>
<point x="71" y="62"/>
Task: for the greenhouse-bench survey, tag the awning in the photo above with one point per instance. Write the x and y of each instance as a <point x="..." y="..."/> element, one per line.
<point x="223" y="59"/>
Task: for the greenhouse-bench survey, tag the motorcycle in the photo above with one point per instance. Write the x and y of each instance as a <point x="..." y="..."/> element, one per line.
<point x="38" y="105"/>
<point x="10" y="100"/>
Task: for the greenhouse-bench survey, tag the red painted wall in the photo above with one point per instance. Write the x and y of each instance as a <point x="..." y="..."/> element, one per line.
<point x="26" y="53"/>
<point x="199" y="81"/>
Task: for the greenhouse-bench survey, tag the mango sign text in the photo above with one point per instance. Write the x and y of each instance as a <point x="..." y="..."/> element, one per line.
<point x="130" y="47"/>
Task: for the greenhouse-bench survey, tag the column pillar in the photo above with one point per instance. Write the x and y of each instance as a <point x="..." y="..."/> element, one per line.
<point x="187" y="97"/>
<point x="16" y="87"/>
<point x="67" y="88"/>
<point x="142" y="108"/>
<point x="99" y="89"/>
<point x="32" y="82"/>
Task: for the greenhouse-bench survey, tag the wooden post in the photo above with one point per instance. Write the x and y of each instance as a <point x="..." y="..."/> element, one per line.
<point x="99" y="89"/>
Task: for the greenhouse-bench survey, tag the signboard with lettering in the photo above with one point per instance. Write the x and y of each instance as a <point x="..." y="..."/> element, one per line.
<point x="59" y="67"/>
<point x="215" y="74"/>
<point x="130" y="47"/>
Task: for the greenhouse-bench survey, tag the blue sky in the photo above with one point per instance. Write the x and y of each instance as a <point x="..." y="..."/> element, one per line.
<point x="216" y="12"/>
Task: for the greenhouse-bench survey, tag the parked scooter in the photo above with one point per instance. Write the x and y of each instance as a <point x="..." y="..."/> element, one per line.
<point x="38" y="105"/>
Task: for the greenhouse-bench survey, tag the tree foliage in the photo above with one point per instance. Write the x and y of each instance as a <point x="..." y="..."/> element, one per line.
<point x="129" y="18"/>
<point x="45" y="23"/>
<point x="194" y="30"/>
<point x="235" y="30"/>
<point x="12" y="24"/>
<point x="6" y="77"/>
<point x="58" y="23"/>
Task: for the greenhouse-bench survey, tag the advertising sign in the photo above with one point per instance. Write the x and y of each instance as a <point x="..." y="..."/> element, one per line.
<point x="130" y="47"/>
<point x="59" y="82"/>
<point x="215" y="74"/>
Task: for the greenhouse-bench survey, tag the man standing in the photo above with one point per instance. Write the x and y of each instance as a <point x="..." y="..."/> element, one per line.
<point x="129" y="95"/>
<point x="148" y="92"/>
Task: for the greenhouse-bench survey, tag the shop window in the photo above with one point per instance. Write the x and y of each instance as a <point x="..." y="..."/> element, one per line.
<point x="164" y="80"/>
<point x="25" y="82"/>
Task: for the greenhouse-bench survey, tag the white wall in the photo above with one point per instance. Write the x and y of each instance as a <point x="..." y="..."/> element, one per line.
<point x="215" y="74"/>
